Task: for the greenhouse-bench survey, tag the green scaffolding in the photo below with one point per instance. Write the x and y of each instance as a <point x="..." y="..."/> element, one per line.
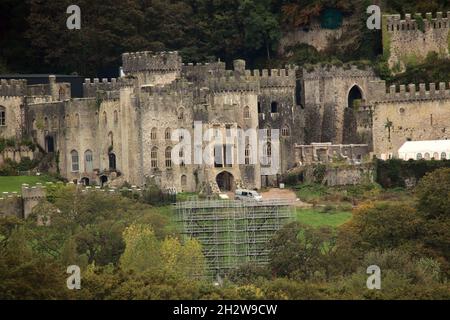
<point x="232" y="232"/>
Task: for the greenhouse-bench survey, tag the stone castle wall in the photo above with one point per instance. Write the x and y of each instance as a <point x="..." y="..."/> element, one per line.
<point x="406" y="41"/>
<point x="412" y="112"/>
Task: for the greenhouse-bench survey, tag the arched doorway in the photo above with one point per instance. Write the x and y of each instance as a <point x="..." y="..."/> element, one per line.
<point x="85" y="181"/>
<point x="354" y="97"/>
<point x="49" y="144"/>
<point x="103" y="180"/>
<point x="350" y="128"/>
<point x="225" y="181"/>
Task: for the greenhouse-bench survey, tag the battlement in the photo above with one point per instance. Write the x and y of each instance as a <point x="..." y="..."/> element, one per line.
<point x="317" y="72"/>
<point x="272" y="78"/>
<point x="90" y="88"/>
<point x="161" y="62"/>
<point x="173" y="88"/>
<point x="395" y="23"/>
<point x="413" y="92"/>
<point x="12" y="88"/>
<point x="233" y="84"/>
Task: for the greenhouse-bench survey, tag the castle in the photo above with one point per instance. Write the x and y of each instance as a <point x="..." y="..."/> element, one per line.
<point x="122" y="130"/>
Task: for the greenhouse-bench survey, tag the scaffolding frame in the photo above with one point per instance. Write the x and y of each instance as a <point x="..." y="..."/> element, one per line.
<point x="232" y="232"/>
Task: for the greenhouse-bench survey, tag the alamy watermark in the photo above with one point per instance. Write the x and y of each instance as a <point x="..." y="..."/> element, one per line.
<point x="74" y="280"/>
<point x="374" y="280"/>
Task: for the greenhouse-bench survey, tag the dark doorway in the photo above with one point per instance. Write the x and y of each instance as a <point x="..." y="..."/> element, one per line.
<point x="103" y="180"/>
<point x="354" y="97"/>
<point x="85" y="181"/>
<point x="112" y="161"/>
<point x="225" y="181"/>
<point x="49" y="144"/>
<point x="350" y="127"/>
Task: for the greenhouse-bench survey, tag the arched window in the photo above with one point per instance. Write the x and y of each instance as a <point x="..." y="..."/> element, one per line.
<point x="168" y="156"/>
<point x="181" y="135"/>
<point x="62" y="94"/>
<point x="436" y="156"/>
<point x="111" y="139"/>
<point x="267" y="154"/>
<point x="427" y="156"/>
<point x="419" y="156"/>
<point x="259" y="107"/>
<point x="183" y="180"/>
<point x="246" y="112"/>
<point x="105" y="117"/>
<point x="75" y="161"/>
<point x="247" y="155"/>
<point x="2" y="116"/>
<point x="180" y="114"/>
<point x="443" y="156"/>
<point x="116" y="116"/>
<point x="77" y="120"/>
<point x="153" y="134"/>
<point x="181" y="156"/>
<point x="88" y="161"/>
<point x="154" y="158"/>
<point x="354" y="98"/>
<point x="112" y="161"/>
<point x="285" y="131"/>
<point x="274" y="107"/>
<point x="168" y="134"/>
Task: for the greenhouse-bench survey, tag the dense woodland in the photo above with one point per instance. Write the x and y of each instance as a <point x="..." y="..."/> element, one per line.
<point x="128" y="249"/>
<point x="34" y="37"/>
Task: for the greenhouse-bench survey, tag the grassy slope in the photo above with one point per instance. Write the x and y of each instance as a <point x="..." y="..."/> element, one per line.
<point x="317" y="218"/>
<point x="14" y="183"/>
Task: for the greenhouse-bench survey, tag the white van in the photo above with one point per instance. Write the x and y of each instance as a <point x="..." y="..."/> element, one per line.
<point x="243" y="194"/>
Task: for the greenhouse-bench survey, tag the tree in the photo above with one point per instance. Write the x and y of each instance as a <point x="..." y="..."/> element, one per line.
<point x="433" y="191"/>
<point x="298" y="251"/>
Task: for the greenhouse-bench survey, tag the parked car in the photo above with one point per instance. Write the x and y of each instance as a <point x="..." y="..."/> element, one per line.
<point x="243" y="194"/>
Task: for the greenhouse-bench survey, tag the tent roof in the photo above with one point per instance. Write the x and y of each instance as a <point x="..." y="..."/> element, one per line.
<point x="425" y="146"/>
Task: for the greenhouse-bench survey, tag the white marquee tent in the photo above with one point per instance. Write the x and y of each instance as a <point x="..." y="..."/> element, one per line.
<point x="432" y="149"/>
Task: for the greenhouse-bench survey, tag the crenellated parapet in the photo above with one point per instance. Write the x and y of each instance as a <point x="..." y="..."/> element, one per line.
<point x="410" y="22"/>
<point x="414" y="92"/>
<point x="317" y="72"/>
<point x="233" y="84"/>
<point x="13" y="88"/>
<point x="274" y="78"/>
<point x="174" y="88"/>
<point x="90" y="88"/>
<point x="148" y="61"/>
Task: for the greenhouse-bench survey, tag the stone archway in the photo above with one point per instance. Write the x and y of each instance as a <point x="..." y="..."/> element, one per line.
<point x="225" y="181"/>
<point x="350" y="125"/>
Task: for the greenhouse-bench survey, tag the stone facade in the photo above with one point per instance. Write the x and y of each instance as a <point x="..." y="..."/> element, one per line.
<point x="125" y="129"/>
<point x="409" y="40"/>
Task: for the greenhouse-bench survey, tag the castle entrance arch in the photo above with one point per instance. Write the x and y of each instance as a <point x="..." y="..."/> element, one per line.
<point x="354" y="101"/>
<point x="225" y="181"/>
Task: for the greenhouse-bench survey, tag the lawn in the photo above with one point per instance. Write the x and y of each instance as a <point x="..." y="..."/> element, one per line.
<point x="317" y="218"/>
<point x="14" y="183"/>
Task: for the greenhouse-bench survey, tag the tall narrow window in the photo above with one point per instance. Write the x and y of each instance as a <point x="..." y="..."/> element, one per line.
<point x="88" y="161"/>
<point x="2" y="116"/>
<point x="75" y="161"/>
<point x="116" y="116"/>
<point x="77" y="120"/>
<point x="168" y="134"/>
<point x="181" y="156"/>
<point x="274" y="107"/>
<point x="168" y="155"/>
<point x="153" y="134"/>
<point x="154" y="158"/>
<point x="105" y="118"/>
<point x="247" y="155"/>
<point x="246" y="112"/>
